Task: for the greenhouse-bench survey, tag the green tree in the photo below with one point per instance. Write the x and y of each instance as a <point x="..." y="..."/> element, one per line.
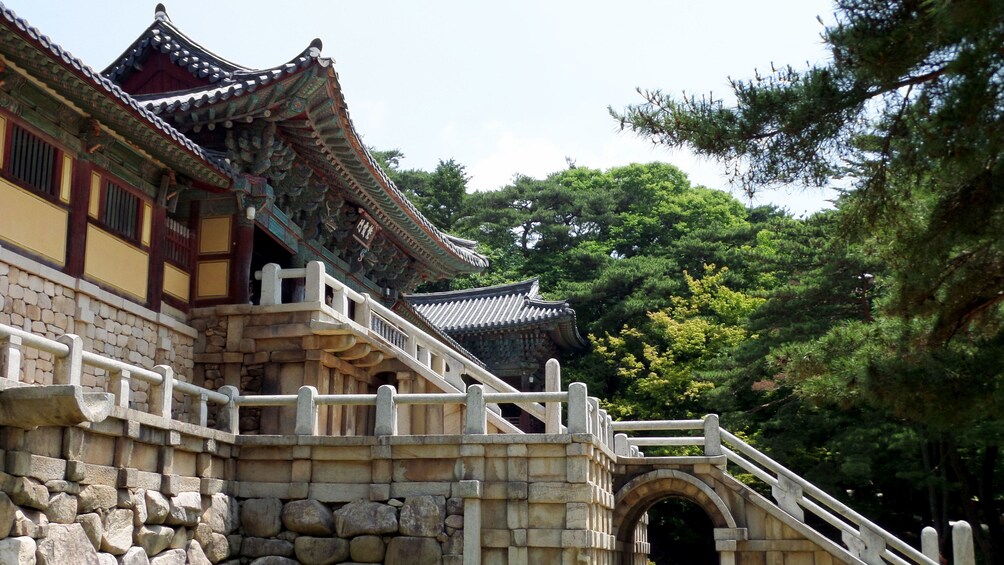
<point x="909" y="114"/>
<point x="654" y="371"/>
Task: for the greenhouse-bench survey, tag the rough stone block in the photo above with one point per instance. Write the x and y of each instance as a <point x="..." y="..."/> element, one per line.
<point x="29" y="522"/>
<point x="66" y="544"/>
<point x="221" y="514"/>
<point x="93" y="497"/>
<point x="62" y="508"/>
<point x="157" y="507"/>
<point x="17" y="551"/>
<point x="134" y="556"/>
<point x="320" y="551"/>
<point x="423" y="516"/>
<point x="153" y="538"/>
<point x="261" y="517"/>
<point x="365" y="518"/>
<point x="117" y="530"/>
<point x="7" y="511"/>
<point x="185" y="509"/>
<point x="171" y="557"/>
<point x="370" y="549"/>
<point x="92" y="528"/>
<point x="25" y="491"/>
<point x="308" y="517"/>
<point x="262" y="547"/>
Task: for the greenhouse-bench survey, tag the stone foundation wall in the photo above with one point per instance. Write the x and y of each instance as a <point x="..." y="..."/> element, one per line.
<point x="46" y="302"/>
<point x="413" y="530"/>
<point x="133" y="489"/>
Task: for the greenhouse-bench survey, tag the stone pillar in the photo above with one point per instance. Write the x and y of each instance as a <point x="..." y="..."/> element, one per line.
<point x="418" y="414"/>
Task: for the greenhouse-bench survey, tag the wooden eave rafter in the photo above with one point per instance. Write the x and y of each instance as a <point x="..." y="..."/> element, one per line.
<point x="310" y="112"/>
<point x="94" y="95"/>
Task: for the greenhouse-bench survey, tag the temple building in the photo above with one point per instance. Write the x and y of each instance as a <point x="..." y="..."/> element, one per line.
<point x="510" y="327"/>
<point x="180" y="209"/>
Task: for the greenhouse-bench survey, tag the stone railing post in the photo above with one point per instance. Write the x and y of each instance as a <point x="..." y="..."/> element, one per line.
<point x="424" y="356"/>
<point x="364" y="314"/>
<point x="578" y="408"/>
<point x="67" y="369"/>
<point x="386" y="412"/>
<point x="162" y="395"/>
<point x="313" y="290"/>
<point x="476" y="421"/>
<point x="712" y="436"/>
<point x="120" y="384"/>
<point x="202" y="410"/>
<point x="271" y="285"/>
<point x="438" y="365"/>
<point x="10" y="358"/>
<point x="868" y="545"/>
<point x="552" y="410"/>
<point x="787" y="493"/>
<point x="306" y="411"/>
<point x="929" y="544"/>
<point x="962" y="544"/>
<point x="621" y="445"/>
<point x="340" y="300"/>
<point x="594" y="416"/>
<point x="227" y="419"/>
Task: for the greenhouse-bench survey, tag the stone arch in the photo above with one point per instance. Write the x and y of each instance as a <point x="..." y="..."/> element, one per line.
<point x="644" y="491"/>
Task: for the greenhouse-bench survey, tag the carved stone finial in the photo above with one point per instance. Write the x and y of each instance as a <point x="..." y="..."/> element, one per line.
<point x="160" y="13"/>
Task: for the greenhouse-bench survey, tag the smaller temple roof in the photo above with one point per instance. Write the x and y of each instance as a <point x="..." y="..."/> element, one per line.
<point x="491" y="308"/>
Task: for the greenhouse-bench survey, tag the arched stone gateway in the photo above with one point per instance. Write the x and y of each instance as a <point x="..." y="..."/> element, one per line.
<point x="644" y="491"/>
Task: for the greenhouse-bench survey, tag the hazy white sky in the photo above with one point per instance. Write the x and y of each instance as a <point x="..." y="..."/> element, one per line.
<point x="503" y="87"/>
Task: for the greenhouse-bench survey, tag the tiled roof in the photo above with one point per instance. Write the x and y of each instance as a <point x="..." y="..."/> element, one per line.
<point x="101" y="83"/>
<point x="333" y="137"/>
<point x="495" y="307"/>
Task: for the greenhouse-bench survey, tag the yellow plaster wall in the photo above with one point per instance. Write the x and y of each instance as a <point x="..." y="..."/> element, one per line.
<point x="176" y="282"/>
<point x="66" y="180"/>
<point x="213" y="279"/>
<point x="32" y="222"/>
<point x="116" y="263"/>
<point x="214" y="235"/>
<point x="94" y="204"/>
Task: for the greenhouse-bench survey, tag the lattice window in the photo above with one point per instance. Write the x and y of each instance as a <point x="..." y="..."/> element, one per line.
<point x="180" y="243"/>
<point x="32" y="161"/>
<point x="122" y="211"/>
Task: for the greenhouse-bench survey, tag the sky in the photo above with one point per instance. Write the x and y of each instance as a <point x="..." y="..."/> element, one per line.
<point x="503" y="87"/>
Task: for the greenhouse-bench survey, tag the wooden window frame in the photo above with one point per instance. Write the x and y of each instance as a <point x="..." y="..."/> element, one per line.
<point x="142" y="200"/>
<point x="53" y="195"/>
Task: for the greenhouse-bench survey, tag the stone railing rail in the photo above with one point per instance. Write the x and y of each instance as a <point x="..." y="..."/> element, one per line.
<point x="70" y="359"/>
<point x="412" y="344"/>
<point x="584" y="413"/>
<point x="864" y="539"/>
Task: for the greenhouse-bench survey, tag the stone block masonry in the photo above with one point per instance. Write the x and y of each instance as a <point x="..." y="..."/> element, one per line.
<point x="44" y="301"/>
<point x="136" y="488"/>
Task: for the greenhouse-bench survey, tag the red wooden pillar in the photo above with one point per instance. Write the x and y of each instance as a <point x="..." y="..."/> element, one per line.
<point x="76" y="233"/>
<point x="158" y="240"/>
<point x="240" y="279"/>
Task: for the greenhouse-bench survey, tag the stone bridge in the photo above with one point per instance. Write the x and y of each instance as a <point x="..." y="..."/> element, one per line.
<point x="88" y="478"/>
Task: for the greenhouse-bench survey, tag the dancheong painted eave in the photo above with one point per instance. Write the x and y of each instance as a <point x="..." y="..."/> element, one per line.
<point x="499" y="307"/>
<point x="26" y="47"/>
<point x="304" y="98"/>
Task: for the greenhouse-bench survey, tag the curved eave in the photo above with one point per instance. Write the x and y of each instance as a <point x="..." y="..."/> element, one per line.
<point x="327" y="138"/>
<point x="57" y="69"/>
<point x="562" y="330"/>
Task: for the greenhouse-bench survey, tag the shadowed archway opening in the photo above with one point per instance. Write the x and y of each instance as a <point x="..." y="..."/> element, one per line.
<point x="681" y="533"/>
